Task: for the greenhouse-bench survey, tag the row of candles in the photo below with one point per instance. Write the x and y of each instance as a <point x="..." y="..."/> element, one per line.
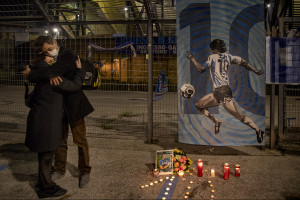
<point x="212" y="172"/>
<point x="189" y="187"/>
<point x="199" y="174"/>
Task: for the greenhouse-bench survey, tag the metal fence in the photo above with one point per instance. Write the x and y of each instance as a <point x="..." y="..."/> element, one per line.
<point x="291" y="109"/>
<point x="118" y="90"/>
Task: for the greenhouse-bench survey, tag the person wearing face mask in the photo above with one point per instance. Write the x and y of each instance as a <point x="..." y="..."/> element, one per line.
<point x="76" y="107"/>
<point x="44" y="121"/>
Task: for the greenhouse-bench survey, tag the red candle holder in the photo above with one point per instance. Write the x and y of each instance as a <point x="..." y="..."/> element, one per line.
<point x="200" y="168"/>
<point x="226" y="171"/>
<point x="237" y="170"/>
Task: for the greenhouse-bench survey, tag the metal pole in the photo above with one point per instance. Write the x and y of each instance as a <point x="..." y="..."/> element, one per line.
<point x="272" y="118"/>
<point x="150" y="84"/>
<point x="280" y="93"/>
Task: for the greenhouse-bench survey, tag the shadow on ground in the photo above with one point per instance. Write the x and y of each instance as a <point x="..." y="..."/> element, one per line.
<point x="18" y="157"/>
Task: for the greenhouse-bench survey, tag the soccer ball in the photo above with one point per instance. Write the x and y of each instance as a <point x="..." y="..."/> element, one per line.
<point x="187" y="91"/>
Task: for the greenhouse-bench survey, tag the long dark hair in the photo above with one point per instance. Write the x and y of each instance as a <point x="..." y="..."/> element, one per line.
<point x="39" y="56"/>
<point x="219" y="45"/>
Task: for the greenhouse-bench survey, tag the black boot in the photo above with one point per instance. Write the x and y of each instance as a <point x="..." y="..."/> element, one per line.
<point x="56" y="191"/>
<point x="260" y="136"/>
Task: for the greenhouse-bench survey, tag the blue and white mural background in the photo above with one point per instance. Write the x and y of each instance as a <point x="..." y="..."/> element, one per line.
<point x="240" y="23"/>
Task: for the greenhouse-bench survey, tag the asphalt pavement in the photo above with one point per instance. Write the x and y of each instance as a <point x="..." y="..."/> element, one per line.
<point x="121" y="166"/>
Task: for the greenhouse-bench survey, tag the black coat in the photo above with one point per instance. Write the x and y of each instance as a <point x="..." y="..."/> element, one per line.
<point x="45" y="118"/>
<point x="76" y="105"/>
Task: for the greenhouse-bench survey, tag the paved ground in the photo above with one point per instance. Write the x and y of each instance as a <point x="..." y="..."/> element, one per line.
<point x="121" y="161"/>
<point x="120" y="167"/>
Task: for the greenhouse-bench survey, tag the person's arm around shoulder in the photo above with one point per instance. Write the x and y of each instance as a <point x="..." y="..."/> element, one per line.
<point x="39" y="72"/>
<point x="72" y="86"/>
<point x="64" y="64"/>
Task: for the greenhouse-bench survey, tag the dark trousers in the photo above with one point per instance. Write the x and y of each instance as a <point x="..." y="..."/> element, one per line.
<point x="45" y="182"/>
<point x="79" y="138"/>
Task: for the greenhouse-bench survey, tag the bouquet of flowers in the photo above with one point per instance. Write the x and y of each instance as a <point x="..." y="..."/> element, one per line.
<point x="180" y="161"/>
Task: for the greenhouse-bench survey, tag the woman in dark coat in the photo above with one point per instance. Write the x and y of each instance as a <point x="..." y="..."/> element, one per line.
<point x="44" y="121"/>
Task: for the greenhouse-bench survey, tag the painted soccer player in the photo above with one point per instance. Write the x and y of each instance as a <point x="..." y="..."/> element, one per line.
<point x="218" y="64"/>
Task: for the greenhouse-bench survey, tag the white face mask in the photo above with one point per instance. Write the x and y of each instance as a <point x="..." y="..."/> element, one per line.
<point x="53" y="53"/>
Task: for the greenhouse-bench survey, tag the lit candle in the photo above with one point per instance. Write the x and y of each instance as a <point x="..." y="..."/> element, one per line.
<point x="167" y="178"/>
<point x="161" y="180"/>
<point x="156" y="172"/>
<point x="151" y="183"/>
<point x="212" y="191"/>
<point x="146" y="185"/>
<point x="211" y="185"/>
<point x="226" y="171"/>
<point x="171" y="179"/>
<point x="187" y="193"/>
<point x="209" y="182"/>
<point x="212" y="173"/>
<point x="189" y="187"/>
<point x="167" y="189"/>
<point x="170" y="183"/>
<point x="200" y="168"/>
<point x="181" y="173"/>
<point x="164" y="198"/>
<point x="212" y="196"/>
<point x="155" y="182"/>
<point x="166" y="193"/>
<point x="142" y="186"/>
<point x="186" y="197"/>
<point x="191" y="182"/>
<point x="237" y="170"/>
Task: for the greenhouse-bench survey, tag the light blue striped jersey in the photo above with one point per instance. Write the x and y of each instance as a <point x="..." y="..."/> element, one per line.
<point x="218" y="64"/>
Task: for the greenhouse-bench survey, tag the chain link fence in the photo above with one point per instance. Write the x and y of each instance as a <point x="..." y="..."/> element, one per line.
<point x="116" y="80"/>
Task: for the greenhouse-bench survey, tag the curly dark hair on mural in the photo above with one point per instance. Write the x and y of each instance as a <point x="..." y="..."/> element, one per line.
<point x="219" y="45"/>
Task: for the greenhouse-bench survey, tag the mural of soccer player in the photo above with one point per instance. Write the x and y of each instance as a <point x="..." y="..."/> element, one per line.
<point x="218" y="65"/>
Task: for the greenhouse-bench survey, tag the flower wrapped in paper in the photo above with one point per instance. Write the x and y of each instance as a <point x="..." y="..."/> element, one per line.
<point x="181" y="161"/>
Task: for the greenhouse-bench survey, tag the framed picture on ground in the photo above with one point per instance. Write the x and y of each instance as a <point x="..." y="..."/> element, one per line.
<point x="164" y="161"/>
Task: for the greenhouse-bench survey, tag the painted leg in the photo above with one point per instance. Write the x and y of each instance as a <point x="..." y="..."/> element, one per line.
<point x="207" y="114"/>
<point x="259" y="133"/>
<point x="207" y="102"/>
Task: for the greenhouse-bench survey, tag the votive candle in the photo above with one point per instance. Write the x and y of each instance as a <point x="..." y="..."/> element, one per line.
<point x="226" y="171"/>
<point x="200" y="168"/>
<point x="181" y="173"/>
<point x="212" y="173"/>
<point x="237" y="170"/>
